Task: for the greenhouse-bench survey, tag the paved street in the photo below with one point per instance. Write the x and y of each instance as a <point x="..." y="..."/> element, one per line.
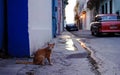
<point x="105" y="49"/>
<point x="71" y="57"/>
<point x="68" y="58"/>
<point x="26" y="26"/>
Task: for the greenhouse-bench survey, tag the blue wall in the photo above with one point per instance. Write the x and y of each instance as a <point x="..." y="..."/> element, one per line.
<point x="18" y="40"/>
<point x="54" y="18"/>
<point x="1" y="22"/>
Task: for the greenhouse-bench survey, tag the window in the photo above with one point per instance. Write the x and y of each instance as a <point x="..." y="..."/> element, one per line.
<point x="106" y="8"/>
<point x="102" y="9"/>
<point x="109" y="18"/>
<point x="110" y="6"/>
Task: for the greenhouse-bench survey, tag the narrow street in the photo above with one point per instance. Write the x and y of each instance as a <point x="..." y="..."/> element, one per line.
<point x="78" y="54"/>
<point x="104" y="51"/>
<point x="68" y="58"/>
<point x="27" y="26"/>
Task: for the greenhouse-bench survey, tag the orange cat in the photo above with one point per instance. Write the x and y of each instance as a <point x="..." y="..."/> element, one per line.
<point x="41" y="55"/>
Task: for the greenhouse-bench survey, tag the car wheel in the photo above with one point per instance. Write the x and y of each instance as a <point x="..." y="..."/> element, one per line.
<point x="96" y="33"/>
<point x="92" y="33"/>
<point x="76" y="29"/>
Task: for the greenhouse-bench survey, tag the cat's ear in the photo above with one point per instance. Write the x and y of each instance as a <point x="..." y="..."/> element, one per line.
<point x="48" y="43"/>
<point x="53" y="43"/>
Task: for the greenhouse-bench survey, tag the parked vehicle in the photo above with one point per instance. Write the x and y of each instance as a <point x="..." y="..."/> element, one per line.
<point x="105" y="23"/>
<point x="71" y="27"/>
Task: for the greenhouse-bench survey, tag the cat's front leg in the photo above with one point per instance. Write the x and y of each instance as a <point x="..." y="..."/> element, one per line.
<point x="49" y="60"/>
<point x="42" y="63"/>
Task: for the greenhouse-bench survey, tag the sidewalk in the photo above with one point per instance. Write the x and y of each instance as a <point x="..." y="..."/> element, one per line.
<point x="68" y="58"/>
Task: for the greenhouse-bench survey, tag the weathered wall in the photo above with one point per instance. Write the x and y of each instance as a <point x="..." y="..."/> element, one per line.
<point x="39" y="23"/>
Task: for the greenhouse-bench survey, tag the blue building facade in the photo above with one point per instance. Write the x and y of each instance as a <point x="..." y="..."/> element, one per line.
<point x="1" y="22"/>
<point x="18" y="38"/>
<point x="54" y="17"/>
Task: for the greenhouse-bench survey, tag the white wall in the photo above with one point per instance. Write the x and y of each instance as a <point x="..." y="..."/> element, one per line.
<point x="116" y="5"/>
<point x="39" y="23"/>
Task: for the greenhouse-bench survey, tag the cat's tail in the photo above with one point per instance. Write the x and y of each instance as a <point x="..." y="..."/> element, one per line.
<point x="23" y="62"/>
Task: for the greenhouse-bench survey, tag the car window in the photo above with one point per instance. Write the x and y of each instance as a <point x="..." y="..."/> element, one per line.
<point x="108" y="18"/>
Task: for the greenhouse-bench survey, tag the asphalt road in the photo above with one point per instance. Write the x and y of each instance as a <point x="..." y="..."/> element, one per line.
<point x="106" y="49"/>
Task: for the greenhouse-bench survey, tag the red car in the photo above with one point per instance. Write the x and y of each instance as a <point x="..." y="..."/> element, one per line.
<point x="105" y="23"/>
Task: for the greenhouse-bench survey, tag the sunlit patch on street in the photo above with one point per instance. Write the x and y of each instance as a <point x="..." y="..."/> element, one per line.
<point x="70" y="45"/>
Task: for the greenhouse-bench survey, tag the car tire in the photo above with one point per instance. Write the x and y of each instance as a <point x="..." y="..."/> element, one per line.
<point x="76" y="29"/>
<point x="96" y="32"/>
<point x="92" y="33"/>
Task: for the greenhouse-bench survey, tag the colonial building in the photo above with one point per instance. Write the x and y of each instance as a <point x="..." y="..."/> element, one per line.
<point x="26" y="25"/>
<point x="94" y="7"/>
<point x="78" y="9"/>
<point x="87" y="11"/>
<point x="109" y="6"/>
